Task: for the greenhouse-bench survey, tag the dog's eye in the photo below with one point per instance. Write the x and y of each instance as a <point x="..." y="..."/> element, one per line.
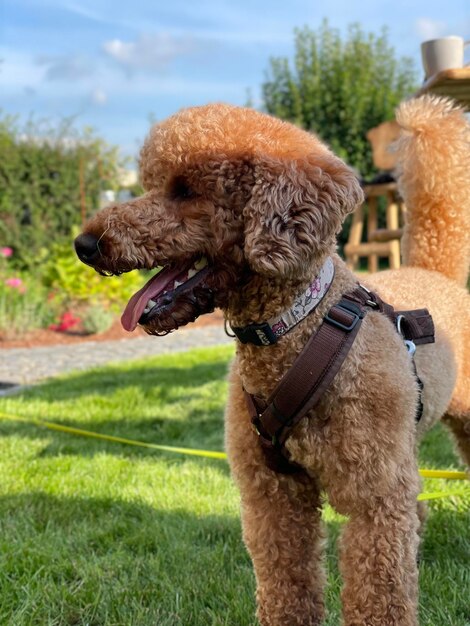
<point x="180" y="189"/>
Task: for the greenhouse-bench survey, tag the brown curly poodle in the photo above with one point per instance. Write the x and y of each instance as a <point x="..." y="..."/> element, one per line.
<point x="242" y="210"/>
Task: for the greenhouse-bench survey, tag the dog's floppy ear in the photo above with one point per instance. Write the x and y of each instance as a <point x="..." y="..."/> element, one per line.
<point x="295" y="211"/>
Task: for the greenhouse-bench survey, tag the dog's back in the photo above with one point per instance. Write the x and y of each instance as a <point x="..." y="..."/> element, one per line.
<point x="434" y="178"/>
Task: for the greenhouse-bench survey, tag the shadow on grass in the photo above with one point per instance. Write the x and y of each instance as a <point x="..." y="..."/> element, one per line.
<point x="109" y="379"/>
<point x="106" y="561"/>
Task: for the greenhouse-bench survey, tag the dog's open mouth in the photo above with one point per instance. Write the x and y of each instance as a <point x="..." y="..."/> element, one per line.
<point x="167" y="294"/>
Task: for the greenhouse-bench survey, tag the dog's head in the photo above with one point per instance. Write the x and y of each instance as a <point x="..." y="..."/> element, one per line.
<point x="230" y="193"/>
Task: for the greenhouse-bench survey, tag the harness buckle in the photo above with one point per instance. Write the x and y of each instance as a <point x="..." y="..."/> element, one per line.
<point x="370" y="301"/>
<point x="254" y="425"/>
<point x="258" y="334"/>
<point x="347" y="307"/>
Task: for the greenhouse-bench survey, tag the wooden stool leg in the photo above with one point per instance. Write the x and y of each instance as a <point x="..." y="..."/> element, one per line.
<point x="392" y="212"/>
<point x="355" y="236"/>
<point x="372" y="224"/>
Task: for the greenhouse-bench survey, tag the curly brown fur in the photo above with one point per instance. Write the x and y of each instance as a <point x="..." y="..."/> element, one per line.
<point x="263" y="201"/>
<point x="435" y="141"/>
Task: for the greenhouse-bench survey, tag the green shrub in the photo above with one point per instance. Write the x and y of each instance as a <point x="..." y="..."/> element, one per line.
<point x="24" y="308"/>
<point x="339" y="87"/>
<point x="58" y="289"/>
<point x="97" y="319"/>
<point x="76" y="284"/>
<point x="50" y="180"/>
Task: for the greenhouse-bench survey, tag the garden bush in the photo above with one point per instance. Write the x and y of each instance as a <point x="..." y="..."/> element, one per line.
<point x="60" y="293"/>
<point x="24" y="307"/>
<point x="74" y="283"/>
<point x="339" y="87"/>
<point x="24" y="302"/>
<point x="97" y="319"/>
<point x="50" y="180"/>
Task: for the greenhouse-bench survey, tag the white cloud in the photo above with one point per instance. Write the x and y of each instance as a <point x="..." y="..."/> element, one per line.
<point x="151" y="51"/>
<point x="427" y="28"/>
<point x="99" y="96"/>
<point x="20" y="71"/>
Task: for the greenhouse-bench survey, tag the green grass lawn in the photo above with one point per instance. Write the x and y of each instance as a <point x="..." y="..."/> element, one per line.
<point x="95" y="533"/>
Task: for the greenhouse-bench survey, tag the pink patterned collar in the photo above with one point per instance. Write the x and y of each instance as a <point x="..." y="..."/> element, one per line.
<point x="267" y="333"/>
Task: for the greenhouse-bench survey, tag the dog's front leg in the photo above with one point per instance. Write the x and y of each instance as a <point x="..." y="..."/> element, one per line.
<point x="282" y="532"/>
<point x="379" y="559"/>
<point x="281" y="528"/>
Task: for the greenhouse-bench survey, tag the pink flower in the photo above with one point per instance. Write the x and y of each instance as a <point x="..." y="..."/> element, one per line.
<point x="16" y="283"/>
<point x="6" y="252"/>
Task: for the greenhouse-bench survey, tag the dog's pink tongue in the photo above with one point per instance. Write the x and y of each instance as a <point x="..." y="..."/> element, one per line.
<point x="154" y="287"/>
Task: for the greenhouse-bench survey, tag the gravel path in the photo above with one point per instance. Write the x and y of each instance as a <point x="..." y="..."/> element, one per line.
<point x="28" y="365"/>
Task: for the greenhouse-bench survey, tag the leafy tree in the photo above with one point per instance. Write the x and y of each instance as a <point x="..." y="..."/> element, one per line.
<point x="50" y="180"/>
<point x="339" y="88"/>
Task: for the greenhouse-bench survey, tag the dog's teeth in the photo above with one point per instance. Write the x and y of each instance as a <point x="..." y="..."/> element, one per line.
<point x="198" y="266"/>
<point x="150" y="305"/>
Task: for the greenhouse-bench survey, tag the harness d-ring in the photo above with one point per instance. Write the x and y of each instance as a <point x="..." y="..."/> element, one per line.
<point x="410" y="345"/>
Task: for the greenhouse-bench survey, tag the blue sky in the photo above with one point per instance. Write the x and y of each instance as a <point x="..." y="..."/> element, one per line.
<point x="115" y="64"/>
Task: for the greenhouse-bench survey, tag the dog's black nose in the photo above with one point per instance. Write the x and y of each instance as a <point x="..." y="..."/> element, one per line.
<point x="86" y="247"/>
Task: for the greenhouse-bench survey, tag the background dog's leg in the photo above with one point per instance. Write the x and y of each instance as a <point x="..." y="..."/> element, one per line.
<point x="378" y="563"/>
<point x="422" y="509"/>
<point x="281" y="527"/>
<point x="460" y="427"/>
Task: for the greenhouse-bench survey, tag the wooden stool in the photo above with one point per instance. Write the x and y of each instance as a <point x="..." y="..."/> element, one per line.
<point x="381" y="242"/>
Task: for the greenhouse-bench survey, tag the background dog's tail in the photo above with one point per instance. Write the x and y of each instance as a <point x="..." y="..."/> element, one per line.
<point x="434" y="179"/>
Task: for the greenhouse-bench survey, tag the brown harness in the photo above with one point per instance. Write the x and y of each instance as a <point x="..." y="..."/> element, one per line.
<point x="301" y="388"/>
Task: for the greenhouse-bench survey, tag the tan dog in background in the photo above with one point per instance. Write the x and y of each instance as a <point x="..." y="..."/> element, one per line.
<point x="242" y="210"/>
